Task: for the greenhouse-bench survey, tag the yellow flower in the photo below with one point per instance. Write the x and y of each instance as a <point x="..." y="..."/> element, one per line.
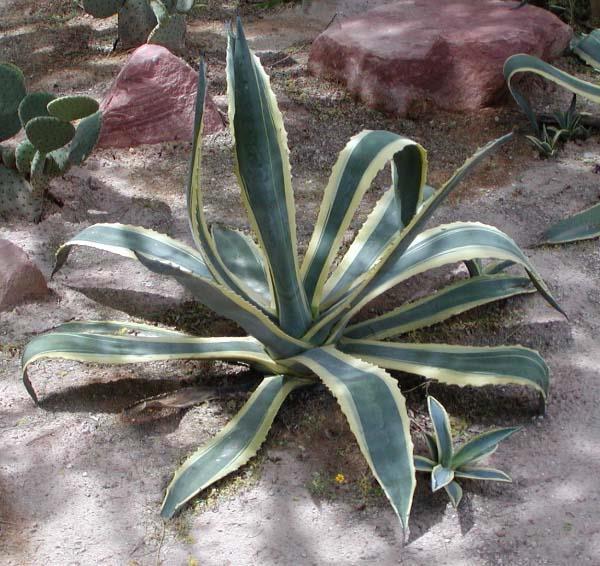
<point x="340" y="478"/>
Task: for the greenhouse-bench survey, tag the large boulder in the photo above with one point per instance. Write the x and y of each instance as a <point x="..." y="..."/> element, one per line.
<point x="20" y="279"/>
<point x="153" y="100"/>
<point x="407" y="56"/>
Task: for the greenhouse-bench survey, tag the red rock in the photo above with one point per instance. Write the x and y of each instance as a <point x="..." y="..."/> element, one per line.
<point x="406" y="56"/>
<point x="152" y="100"/>
<point x="20" y="279"/>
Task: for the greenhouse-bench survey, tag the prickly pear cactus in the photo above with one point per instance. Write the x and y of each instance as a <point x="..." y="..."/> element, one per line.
<point x="52" y="144"/>
<point x="12" y="91"/>
<point x="102" y="8"/>
<point x="169" y="33"/>
<point x="18" y="197"/>
<point x="141" y="21"/>
<point x="136" y="21"/>
<point x="34" y="105"/>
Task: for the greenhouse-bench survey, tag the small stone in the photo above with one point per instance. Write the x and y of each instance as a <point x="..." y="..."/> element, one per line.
<point x="153" y="100"/>
<point x="20" y="280"/>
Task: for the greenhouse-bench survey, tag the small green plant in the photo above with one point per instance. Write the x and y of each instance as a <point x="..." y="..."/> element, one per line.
<point x="446" y="465"/>
<point x="585" y="224"/>
<point x="569" y="121"/>
<point x="547" y="144"/>
<point x="52" y="143"/>
<point x="319" y="486"/>
<point x="300" y="316"/>
<point x="141" y="21"/>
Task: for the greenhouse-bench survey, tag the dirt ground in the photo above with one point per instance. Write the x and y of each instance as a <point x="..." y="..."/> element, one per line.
<point x="82" y="484"/>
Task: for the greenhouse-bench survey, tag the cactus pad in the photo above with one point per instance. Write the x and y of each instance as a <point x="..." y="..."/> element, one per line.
<point x="102" y="8"/>
<point x="184" y="6"/>
<point x="160" y="10"/>
<point x="9" y="125"/>
<point x="12" y="88"/>
<point x="37" y="167"/>
<point x="86" y="136"/>
<point x="8" y="157"/>
<point x="17" y="197"/>
<point x="136" y="21"/>
<point x="48" y="133"/>
<point x="57" y="162"/>
<point x="34" y="105"/>
<point x="23" y="157"/>
<point x="170" y="33"/>
<point x="71" y="108"/>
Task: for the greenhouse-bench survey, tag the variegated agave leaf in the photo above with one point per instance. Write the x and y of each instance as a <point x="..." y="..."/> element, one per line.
<point x="299" y="315"/>
<point x="586" y="224"/>
<point x="445" y="464"/>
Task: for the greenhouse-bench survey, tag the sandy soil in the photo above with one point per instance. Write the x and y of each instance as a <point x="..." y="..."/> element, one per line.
<point x="82" y="484"/>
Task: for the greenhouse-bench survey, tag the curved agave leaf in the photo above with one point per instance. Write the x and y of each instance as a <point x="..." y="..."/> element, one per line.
<point x="379" y="230"/>
<point x="246" y="263"/>
<point x="440" y="246"/>
<point x="584" y="225"/>
<point x="263" y="169"/>
<point x="399" y="244"/>
<point x="239" y="441"/>
<point x="376" y="412"/>
<point x="115" y="327"/>
<point x="228" y="304"/>
<point x="448" y="302"/>
<point x="357" y="165"/>
<point x="431" y="445"/>
<point x="376" y="234"/>
<point x="474" y="267"/>
<point x="128" y="241"/>
<point x="477" y="473"/>
<point x="454" y="492"/>
<point x="446" y="244"/>
<point x="485" y="454"/>
<point x="441" y="477"/>
<point x="457" y="365"/>
<point x="124" y="349"/>
<point x="481" y="445"/>
<point x="443" y="440"/>
<point x="423" y="464"/>
<point x="522" y="63"/>
<point x="587" y="47"/>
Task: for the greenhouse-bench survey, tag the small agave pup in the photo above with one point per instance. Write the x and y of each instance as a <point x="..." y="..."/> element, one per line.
<point x="445" y="465"/>
<point x="300" y="317"/>
<point x="585" y="224"/>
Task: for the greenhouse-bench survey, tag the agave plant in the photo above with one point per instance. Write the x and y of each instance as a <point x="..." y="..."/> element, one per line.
<point x="548" y="143"/>
<point x="585" y="224"/>
<point x="587" y="48"/>
<point x="300" y="317"/>
<point x="445" y="464"/>
<point x="569" y="121"/>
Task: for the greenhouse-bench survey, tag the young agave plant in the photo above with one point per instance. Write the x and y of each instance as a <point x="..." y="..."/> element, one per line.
<point x="300" y="317"/>
<point x="548" y="142"/>
<point x="446" y="464"/>
<point x="585" y="224"/>
<point x="569" y="121"/>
